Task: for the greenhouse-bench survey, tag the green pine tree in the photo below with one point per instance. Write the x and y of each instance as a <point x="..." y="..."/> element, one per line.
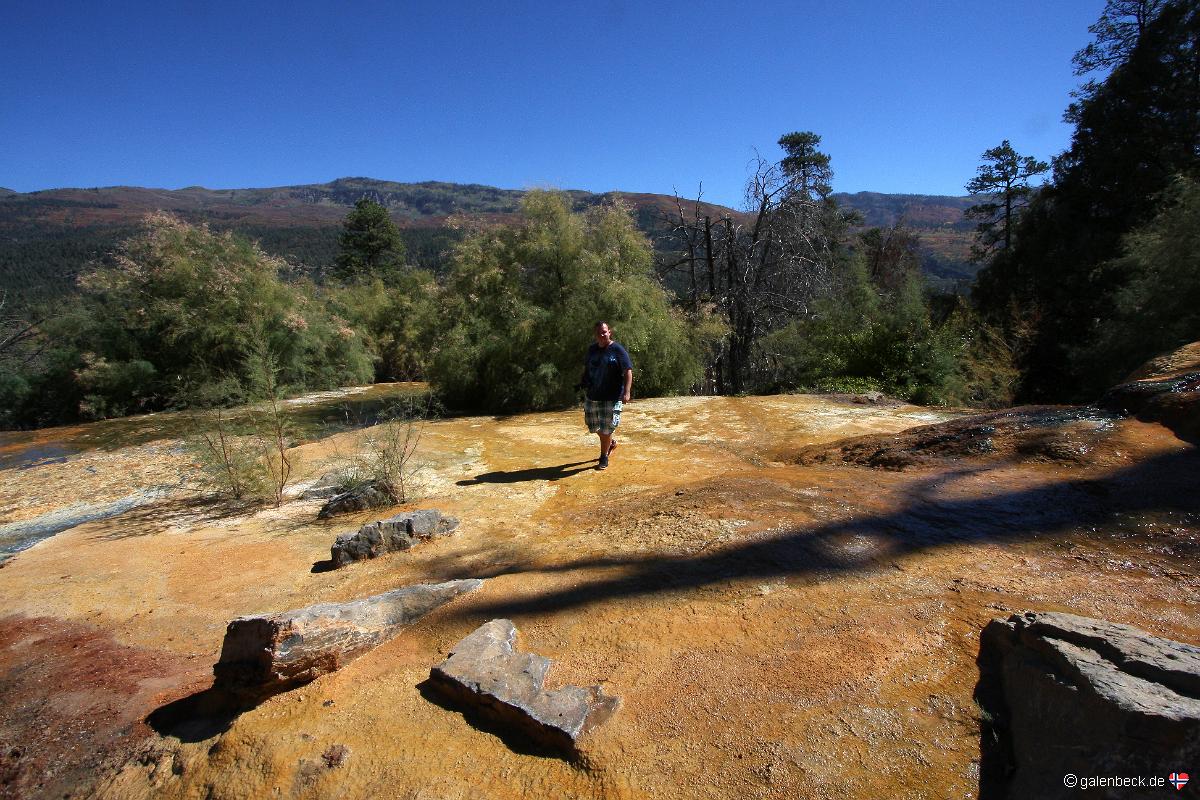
<point x="370" y="246"/>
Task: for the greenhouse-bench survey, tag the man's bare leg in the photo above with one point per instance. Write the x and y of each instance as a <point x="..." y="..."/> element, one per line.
<point x="605" y="443"/>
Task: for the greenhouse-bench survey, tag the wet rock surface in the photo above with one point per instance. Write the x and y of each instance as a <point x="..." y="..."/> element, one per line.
<point x="1047" y="433"/>
<point x="1071" y="695"/>
<point x="1165" y="389"/>
<point x="486" y="673"/>
<point x="271" y="653"/>
<point x="376" y="494"/>
<point x="400" y="532"/>
<point x="1173" y="401"/>
<point x="18" y="536"/>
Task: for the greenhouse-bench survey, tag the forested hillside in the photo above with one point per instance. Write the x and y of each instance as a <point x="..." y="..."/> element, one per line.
<point x="47" y="237"/>
<point x="1099" y="273"/>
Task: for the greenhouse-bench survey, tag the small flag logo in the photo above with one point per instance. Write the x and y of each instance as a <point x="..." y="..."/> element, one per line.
<point x="1178" y="779"/>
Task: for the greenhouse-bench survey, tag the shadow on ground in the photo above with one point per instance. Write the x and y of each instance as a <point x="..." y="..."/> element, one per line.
<point x="554" y="473"/>
<point x="159" y="516"/>
<point x="512" y="738"/>
<point x="200" y="716"/>
<point x="922" y="522"/>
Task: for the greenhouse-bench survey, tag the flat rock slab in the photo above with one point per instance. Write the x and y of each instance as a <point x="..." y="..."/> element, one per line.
<point x="1068" y="694"/>
<point x="271" y="653"/>
<point x="400" y="532"/>
<point x="485" y="672"/>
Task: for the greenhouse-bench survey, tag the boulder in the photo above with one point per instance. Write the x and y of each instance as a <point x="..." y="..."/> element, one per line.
<point x="390" y="535"/>
<point x="270" y="653"/>
<point x="328" y="485"/>
<point x="320" y="493"/>
<point x="1066" y="695"/>
<point x="375" y="494"/>
<point x="484" y="672"/>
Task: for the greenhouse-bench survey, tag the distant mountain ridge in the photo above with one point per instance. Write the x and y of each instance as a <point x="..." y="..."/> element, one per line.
<point x="47" y="236"/>
<point x="409" y="203"/>
<point x="915" y="210"/>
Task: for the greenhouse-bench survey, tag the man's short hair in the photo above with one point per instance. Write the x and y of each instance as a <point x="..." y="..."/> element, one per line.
<point x="598" y="324"/>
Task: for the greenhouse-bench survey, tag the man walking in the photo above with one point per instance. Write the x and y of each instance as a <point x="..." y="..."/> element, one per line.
<point x="608" y="378"/>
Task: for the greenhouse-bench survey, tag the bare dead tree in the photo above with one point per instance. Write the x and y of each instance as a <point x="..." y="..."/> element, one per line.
<point x="689" y="245"/>
<point x="20" y="335"/>
<point x="892" y="254"/>
<point x="690" y="234"/>
<point x="779" y="263"/>
<point x="681" y="246"/>
<point x="763" y="268"/>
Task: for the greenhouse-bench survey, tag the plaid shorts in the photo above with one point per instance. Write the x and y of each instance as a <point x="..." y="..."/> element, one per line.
<point x="602" y="416"/>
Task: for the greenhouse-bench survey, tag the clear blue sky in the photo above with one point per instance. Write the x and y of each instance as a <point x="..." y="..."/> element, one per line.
<point x="609" y="94"/>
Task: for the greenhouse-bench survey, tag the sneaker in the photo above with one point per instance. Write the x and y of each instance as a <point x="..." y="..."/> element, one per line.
<point x="603" y="463"/>
<point x="612" y="445"/>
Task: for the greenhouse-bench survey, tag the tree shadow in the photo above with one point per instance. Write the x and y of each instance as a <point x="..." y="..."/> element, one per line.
<point x="486" y="560"/>
<point x="161" y="515"/>
<point x="554" y="473"/>
<point x="923" y="522"/>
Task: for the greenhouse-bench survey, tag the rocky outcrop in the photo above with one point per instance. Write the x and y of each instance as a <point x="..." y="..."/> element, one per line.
<point x="484" y="672"/>
<point x="376" y="494"/>
<point x="1069" y="695"/>
<point x="274" y="652"/>
<point x="1029" y="433"/>
<point x="401" y="532"/>
<point x="1169" y="365"/>
<point x="1173" y="401"/>
<point x="1165" y="389"/>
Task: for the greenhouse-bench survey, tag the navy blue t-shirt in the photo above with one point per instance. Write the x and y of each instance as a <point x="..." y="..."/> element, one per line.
<point x="604" y="371"/>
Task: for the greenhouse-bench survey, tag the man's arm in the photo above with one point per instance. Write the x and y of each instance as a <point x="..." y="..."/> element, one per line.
<point x="627" y="365"/>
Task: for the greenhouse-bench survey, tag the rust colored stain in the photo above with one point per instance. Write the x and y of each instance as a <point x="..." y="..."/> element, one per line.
<point x="73" y="702"/>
